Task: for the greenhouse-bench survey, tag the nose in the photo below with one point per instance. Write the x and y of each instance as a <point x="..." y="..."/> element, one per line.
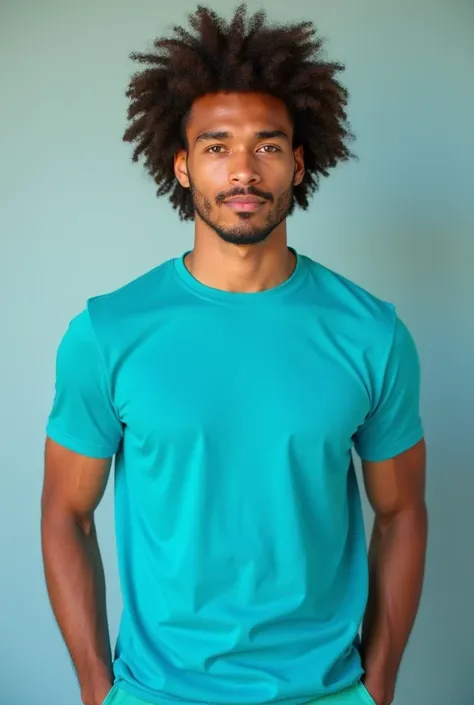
<point x="243" y="170"/>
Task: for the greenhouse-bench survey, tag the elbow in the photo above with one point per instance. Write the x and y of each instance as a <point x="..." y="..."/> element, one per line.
<point x="58" y="515"/>
<point x="411" y="519"/>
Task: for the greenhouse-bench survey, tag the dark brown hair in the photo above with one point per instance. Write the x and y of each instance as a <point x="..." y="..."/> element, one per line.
<point x="245" y="54"/>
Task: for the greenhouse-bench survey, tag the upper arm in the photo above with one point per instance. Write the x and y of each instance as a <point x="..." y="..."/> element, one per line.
<point x="390" y="442"/>
<point x="393" y="424"/>
<point x="83" y="430"/>
<point x="83" y="418"/>
<point x="73" y="483"/>
<point x="397" y="483"/>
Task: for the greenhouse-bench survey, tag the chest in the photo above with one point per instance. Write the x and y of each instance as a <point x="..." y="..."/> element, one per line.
<point x="241" y="379"/>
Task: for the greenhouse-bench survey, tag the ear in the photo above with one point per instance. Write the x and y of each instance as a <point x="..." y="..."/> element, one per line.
<point x="181" y="168"/>
<point x="299" y="166"/>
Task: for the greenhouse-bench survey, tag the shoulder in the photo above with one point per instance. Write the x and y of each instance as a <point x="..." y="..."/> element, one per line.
<point x="109" y="319"/>
<point x="121" y="315"/>
<point x="79" y="336"/>
<point x="132" y="296"/>
<point x="349" y="305"/>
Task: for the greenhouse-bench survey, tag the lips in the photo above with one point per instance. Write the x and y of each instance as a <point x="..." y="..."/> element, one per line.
<point x="244" y="199"/>
<point x="244" y="203"/>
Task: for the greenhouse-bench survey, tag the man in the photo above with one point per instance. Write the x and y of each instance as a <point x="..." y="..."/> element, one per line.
<point x="232" y="384"/>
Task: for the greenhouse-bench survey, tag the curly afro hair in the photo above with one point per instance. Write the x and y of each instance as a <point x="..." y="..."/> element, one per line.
<point x="243" y="55"/>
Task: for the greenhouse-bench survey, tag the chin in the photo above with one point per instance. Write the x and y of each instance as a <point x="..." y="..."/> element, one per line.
<point x="237" y="237"/>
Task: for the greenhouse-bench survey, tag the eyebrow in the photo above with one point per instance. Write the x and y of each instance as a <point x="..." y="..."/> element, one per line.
<point x="262" y="135"/>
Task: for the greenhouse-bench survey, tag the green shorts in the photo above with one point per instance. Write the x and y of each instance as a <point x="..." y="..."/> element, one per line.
<point x="355" y="695"/>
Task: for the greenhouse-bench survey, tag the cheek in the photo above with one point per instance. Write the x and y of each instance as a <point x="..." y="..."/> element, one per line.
<point x="208" y="181"/>
<point x="214" y="172"/>
<point x="278" y="172"/>
<point x="207" y="170"/>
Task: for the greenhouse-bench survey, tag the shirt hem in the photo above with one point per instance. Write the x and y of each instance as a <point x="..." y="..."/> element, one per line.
<point x="393" y="450"/>
<point x="77" y="445"/>
<point x="147" y="699"/>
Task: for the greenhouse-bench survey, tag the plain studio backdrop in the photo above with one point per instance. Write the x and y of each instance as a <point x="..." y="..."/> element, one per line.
<point x="78" y="219"/>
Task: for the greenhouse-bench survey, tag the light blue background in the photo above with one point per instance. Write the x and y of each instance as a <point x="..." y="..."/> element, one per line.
<point x="78" y="219"/>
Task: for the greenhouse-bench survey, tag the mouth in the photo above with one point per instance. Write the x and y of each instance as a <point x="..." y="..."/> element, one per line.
<point x="244" y="203"/>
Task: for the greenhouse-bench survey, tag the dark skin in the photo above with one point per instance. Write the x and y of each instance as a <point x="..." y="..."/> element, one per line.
<point x="396" y="492"/>
<point x="241" y="160"/>
<point x="73" y="487"/>
<point x="74" y="484"/>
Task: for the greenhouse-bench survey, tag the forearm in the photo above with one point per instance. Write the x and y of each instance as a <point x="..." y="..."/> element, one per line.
<point x="396" y="559"/>
<point x="76" y="587"/>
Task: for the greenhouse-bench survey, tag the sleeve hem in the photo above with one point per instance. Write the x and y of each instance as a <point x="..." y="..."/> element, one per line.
<point x="377" y="454"/>
<point x="77" y="445"/>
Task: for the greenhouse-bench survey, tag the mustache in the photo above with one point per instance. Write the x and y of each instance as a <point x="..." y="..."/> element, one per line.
<point x="250" y="191"/>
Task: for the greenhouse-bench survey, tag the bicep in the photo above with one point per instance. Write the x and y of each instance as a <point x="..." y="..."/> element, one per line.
<point x="73" y="483"/>
<point x="397" y="483"/>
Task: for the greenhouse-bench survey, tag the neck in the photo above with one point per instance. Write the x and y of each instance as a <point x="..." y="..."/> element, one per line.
<point x="241" y="269"/>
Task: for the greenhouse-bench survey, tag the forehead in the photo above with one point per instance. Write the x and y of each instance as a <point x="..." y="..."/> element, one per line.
<point x="247" y="111"/>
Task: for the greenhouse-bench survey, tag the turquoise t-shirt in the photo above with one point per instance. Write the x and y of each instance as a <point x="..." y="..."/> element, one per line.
<point x="233" y="417"/>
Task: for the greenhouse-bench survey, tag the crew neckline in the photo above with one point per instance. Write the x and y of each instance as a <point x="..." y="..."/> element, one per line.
<point x="238" y="297"/>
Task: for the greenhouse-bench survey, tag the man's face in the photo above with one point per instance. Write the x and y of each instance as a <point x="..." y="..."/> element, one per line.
<point x="241" y="166"/>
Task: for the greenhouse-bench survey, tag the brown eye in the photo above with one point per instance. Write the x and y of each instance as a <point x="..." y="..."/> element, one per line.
<point x="214" y="149"/>
<point x="270" y="149"/>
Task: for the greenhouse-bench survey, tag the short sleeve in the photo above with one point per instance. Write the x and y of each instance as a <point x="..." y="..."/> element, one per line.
<point x="83" y="418"/>
<point x="393" y="424"/>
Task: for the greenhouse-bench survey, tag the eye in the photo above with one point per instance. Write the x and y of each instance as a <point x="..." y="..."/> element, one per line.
<point x="270" y="149"/>
<point x="215" y="149"/>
